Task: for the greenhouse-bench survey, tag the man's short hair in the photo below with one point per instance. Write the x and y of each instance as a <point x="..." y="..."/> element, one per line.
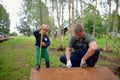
<point x="78" y="28"/>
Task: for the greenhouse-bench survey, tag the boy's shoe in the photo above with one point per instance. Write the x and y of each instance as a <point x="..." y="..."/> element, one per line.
<point x="47" y="65"/>
<point x="37" y="67"/>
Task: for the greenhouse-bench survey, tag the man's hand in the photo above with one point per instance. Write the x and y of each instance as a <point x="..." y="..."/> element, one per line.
<point x="83" y="63"/>
<point x="69" y="64"/>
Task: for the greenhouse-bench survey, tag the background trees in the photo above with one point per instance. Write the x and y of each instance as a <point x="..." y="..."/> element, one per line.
<point x="97" y="22"/>
<point x="4" y="20"/>
<point x="33" y="14"/>
<point x="97" y="16"/>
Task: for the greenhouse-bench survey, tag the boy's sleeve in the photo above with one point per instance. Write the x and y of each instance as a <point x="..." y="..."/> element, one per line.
<point x="36" y="33"/>
<point x="48" y="42"/>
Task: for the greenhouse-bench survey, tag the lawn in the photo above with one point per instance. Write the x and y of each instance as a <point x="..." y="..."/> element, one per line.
<point x="17" y="57"/>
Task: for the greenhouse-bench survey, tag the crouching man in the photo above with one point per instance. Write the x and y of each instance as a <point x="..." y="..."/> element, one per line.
<point x="85" y="52"/>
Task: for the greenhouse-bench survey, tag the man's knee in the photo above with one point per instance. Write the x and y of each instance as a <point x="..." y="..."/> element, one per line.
<point x="63" y="58"/>
<point x="93" y="59"/>
<point x="96" y="56"/>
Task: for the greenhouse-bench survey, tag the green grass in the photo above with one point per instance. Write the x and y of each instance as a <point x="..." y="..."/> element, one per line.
<point x="17" y="56"/>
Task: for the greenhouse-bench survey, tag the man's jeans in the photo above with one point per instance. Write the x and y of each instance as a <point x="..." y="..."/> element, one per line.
<point x="76" y="59"/>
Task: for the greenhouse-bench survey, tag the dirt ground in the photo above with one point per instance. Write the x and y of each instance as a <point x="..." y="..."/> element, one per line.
<point x="96" y="73"/>
<point x="114" y="64"/>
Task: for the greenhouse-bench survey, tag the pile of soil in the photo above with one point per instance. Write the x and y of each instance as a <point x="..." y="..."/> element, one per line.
<point x="117" y="71"/>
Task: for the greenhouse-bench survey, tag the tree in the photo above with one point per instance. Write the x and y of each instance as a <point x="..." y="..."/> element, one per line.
<point x="13" y="34"/>
<point x="24" y="28"/>
<point x="58" y="18"/>
<point x="52" y="19"/>
<point x="81" y="12"/>
<point x="94" y="26"/>
<point x="4" y="20"/>
<point x="69" y="7"/>
<point x="72" y="15"/>
<point x="60" y="14"/>
<point x="88" y="21"/>
<point x="40" y="14"/>
<point x="33" y="15"/>
<point x="76" y="9"/>
<point x="115" y="28"/>
<point x="109" y="20"/>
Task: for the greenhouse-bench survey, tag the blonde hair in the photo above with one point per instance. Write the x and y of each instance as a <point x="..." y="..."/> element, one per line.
<point x="45" y="25"/>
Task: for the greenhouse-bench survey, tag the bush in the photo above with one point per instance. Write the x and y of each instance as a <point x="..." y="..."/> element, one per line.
<point x="13" y="34"/>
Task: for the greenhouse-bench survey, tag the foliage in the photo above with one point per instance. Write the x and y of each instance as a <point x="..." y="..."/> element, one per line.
<point x="112" y="21"/>
<point x="24" y="28"/>
<point x="30" y="16"/>
<point x="88" y="21"/>
<point x="13" y="34"/>
<point x="4" y="20"/>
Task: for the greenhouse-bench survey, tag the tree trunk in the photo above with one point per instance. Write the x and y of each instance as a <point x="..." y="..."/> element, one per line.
<point x="69" y="26"/>
<point x="76" y="11"/>
<point x="72" y="17"/>
<point x="40" y="12"/>
<point x="62" y="19"/>
<point x="81" y="12"/>
<point x="59" y="33"/>
<point x="115" y="29"/>
<point x="93" y="33"/>
<point x="108" y="28"/>
<point x="52" y="30"/>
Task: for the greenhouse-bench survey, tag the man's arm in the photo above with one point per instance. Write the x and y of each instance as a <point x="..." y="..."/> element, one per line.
<point x="68" y="53"/>
<point x="91" y="50"/>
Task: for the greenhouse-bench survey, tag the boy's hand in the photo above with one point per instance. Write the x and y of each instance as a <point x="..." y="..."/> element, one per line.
<point x="43" y="44"/>
<point x="40" y="28"/>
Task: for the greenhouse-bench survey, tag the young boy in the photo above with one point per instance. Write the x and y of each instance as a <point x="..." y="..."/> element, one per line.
<point x="43" y="53"/>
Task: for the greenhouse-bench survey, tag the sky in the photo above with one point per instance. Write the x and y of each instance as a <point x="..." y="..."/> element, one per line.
<point x="13" y="7"/>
